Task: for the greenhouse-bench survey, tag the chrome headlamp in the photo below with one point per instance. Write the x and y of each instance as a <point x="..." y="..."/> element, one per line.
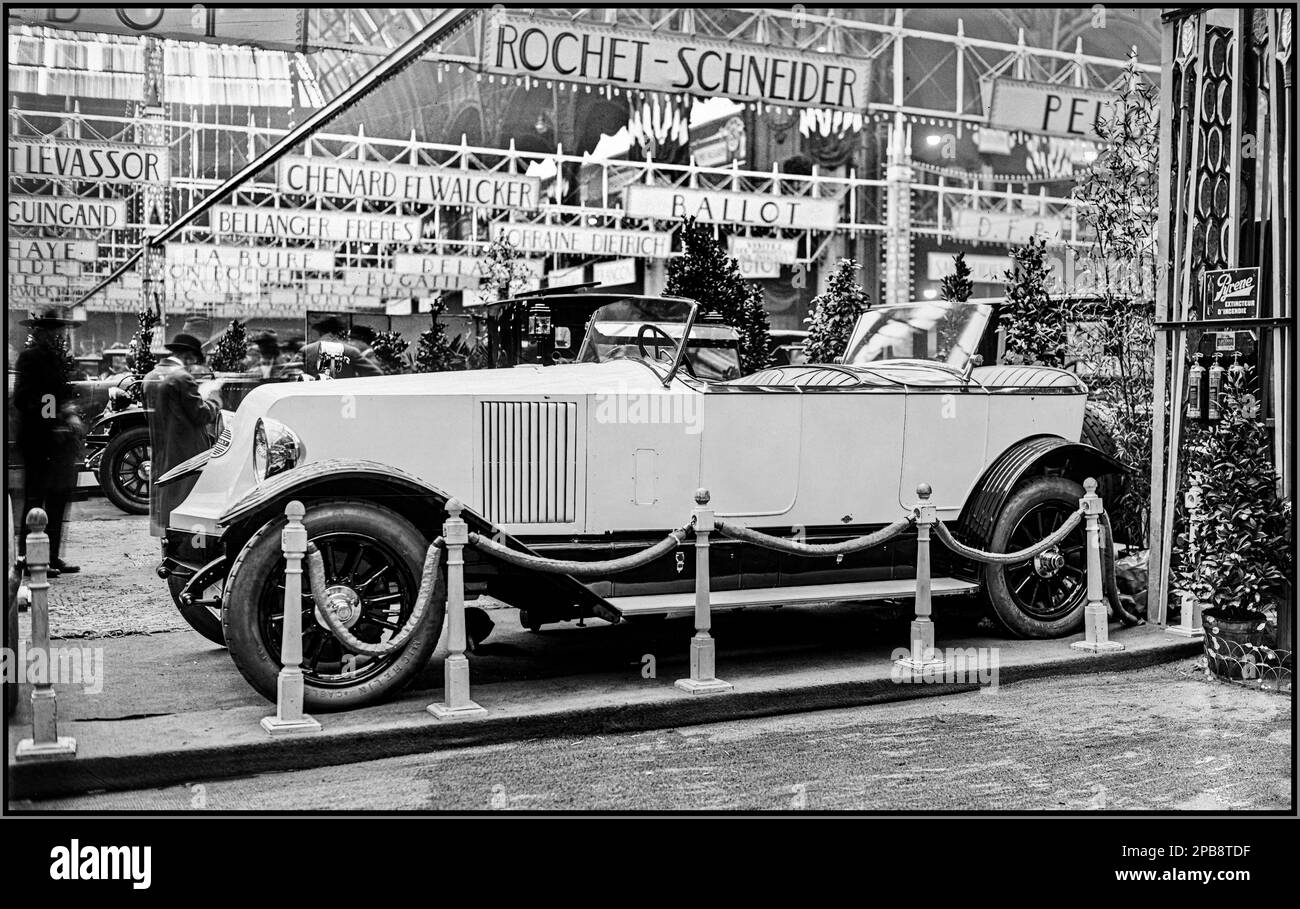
<point x="275" y="448"/>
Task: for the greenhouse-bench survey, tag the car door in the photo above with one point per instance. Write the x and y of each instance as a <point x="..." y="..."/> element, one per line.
<point x="749" y="453"/>
<point x="945" y="437"/>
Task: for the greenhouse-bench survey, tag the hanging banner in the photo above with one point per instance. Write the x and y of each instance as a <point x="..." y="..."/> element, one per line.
<point x="1002" y="227"/>
<point x="614" y="274"/>
<point x="67" y="211"/>
<point x="407" y="183"/>
<point x="762" y="257"/>
<point x="465" y="266"/>
<point x="33" y="249"/>
<point x="984" y="269"/>
<point x="379" y="280"/>
<point x="1046" y="108"/>
<point x="585" y="241"/>
<point x="99" y="162"/>
<point x="298" y="224"/>
<point x="668" y="203"/>
<point x="211" y="256"/>
<point x="263" y="26"/>
<point x="519" y="44"/>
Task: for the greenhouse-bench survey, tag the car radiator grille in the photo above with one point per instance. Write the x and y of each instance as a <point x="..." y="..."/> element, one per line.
<point x="530" y="461"/>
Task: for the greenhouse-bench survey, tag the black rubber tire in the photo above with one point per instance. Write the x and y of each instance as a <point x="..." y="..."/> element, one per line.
<point x="202" y="619"/>
<point x="1005" y="610"/>
<point x="253" y="569"/>
<point x="116" y="449"/>
<point x="1097" y="432"/>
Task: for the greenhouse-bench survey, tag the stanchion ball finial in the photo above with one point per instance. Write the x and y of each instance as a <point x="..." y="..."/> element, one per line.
<point x="36" y="520"/>
<point x="295" y="511"/>
<point x="701" y="496"/>
<point x="454" y="508"/>
<point x="1090" y="486"/>
<point x="923" y="491"/>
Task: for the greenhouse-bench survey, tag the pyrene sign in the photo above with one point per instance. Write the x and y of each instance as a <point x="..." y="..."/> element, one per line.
<point x="517" y="44"/>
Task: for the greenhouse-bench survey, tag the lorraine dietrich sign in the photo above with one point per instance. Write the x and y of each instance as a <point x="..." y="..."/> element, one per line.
<point x="521" y="45"/>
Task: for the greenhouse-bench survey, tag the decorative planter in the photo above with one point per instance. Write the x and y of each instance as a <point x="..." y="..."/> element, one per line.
<point x="1237" y="648"/>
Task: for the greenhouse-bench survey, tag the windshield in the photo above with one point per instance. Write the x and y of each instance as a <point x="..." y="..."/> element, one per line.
<point x="945" y="332"/>
<point x="651" y="329"/>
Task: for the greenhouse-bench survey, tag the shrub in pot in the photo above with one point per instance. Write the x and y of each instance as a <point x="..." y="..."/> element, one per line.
<point x="1242" y="562"/>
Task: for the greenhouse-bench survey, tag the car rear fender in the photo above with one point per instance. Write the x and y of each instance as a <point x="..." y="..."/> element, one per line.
<point x="1027" y="458"/>
<point x="417" y="501"/>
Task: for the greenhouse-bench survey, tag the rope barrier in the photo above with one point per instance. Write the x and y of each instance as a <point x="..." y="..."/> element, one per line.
<point x="580" y="569"/>
<point x="1008" y="558"/>
<point x="845" y="547"/>
<point x="430" y="587"/>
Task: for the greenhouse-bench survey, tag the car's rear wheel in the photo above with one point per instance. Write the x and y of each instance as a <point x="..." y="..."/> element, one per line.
<point x="373" y="552"/>
<point x="124" y="470"/>
<point x="1043" y="597"/>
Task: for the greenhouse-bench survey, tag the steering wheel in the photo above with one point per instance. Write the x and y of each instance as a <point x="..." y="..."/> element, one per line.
<point x="650" y="328"/>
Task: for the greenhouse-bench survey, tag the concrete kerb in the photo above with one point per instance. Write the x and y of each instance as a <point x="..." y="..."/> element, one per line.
<point x="215" y="744"/>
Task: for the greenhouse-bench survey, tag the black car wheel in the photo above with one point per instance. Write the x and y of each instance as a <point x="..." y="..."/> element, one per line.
<point x="375" y="554"/>
<point x="124" y="470"/>
<point x="1044" y="596"/>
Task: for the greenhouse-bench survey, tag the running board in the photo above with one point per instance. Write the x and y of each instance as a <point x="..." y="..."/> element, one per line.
<point x="810" y="595"/>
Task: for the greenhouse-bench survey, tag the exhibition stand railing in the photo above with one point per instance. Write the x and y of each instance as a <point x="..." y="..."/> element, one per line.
<point x="289" y="717"/>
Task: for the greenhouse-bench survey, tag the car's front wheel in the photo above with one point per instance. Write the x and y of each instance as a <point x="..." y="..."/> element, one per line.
<point x="1044" y="596"/>
<point x="374" y="557"/>
<point x="124" y="470"/>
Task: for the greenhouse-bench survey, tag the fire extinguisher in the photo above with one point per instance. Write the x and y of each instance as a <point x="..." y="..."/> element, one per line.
<point x="1195" y="411"/>
<point x="1216" y="386"/>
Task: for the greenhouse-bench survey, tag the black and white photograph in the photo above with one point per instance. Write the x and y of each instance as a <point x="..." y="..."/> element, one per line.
<point x="441" y="414"/>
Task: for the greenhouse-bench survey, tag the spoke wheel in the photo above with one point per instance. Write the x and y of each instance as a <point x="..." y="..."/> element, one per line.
<point x="125" y="469"/>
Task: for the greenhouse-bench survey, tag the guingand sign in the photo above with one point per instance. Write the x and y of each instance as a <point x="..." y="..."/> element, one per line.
<point x="299" y="224"/>
<point x="585" y="241"/>
<point x="1004" y="227"/>
<point x="94" y="162"/>
<point x="1047" y="108"/>
<point x="408" y="183"/>
<point x="516" y="44"/>
<point x="71" y="212"/>
<point x="670" y="203"/>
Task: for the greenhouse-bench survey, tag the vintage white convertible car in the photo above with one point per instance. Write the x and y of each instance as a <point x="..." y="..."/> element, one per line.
<point x="600" y="457"/>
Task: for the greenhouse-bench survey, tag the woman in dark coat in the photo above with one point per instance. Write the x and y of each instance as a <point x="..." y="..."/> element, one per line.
<point x="181" y="424"/>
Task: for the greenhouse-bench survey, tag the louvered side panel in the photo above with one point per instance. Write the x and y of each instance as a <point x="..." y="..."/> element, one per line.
<point x="530" y="461"/>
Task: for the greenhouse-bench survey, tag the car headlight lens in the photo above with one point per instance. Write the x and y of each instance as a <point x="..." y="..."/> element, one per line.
<point x="275" y="448"/>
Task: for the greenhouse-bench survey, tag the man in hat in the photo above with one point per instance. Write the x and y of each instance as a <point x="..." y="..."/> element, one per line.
<point x="329" y="356"/>
<point x="47" y="432"/>
<point x="363" y="336"/>
<point x="267" y="361"/>
<point x="181" y="424"/>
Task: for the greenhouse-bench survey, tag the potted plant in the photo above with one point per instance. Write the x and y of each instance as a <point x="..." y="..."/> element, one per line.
<point x="1233" y="554"/>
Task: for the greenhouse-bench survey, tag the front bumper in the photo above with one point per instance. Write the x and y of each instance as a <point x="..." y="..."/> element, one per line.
<point x="185" y="552"/>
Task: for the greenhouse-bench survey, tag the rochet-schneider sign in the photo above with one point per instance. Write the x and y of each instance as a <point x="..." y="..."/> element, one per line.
<point x="408" y="183"/>
<point x="519" y="45"/>
<point x="297" y="224"/>
<point x="715" y="206"/>
<point x="68" y="212"/>
<point x="1051" y="110"/>
<point x="585" y="241"/>
<point x="1001" y="227"/>
<point x="103" y="163"/>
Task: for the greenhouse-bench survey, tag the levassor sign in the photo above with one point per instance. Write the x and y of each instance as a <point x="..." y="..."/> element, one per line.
<point x="407" y="183"/>
<point x="102" y="163"/>
<point x="519" y="45"/>
<point x="670" y="203"/>
<point x="1052" y="110"/>
<point x="297" y="224"/>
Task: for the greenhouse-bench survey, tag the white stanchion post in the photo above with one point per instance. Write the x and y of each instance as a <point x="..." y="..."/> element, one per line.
<point x="1189" y="612"/>
<point x="45" y="741"/>
<point x="455" y="686"/>
<point x="703" y="647"/>
<point x="922" y="654"/>
<point x="1095" y="619"/>
<point x="289" y="717"/>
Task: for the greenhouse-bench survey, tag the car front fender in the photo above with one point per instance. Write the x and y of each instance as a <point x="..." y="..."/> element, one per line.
<point x="109" y="424"/>
<point x="1076" y="460"/>
<point x="423" y="504"/>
